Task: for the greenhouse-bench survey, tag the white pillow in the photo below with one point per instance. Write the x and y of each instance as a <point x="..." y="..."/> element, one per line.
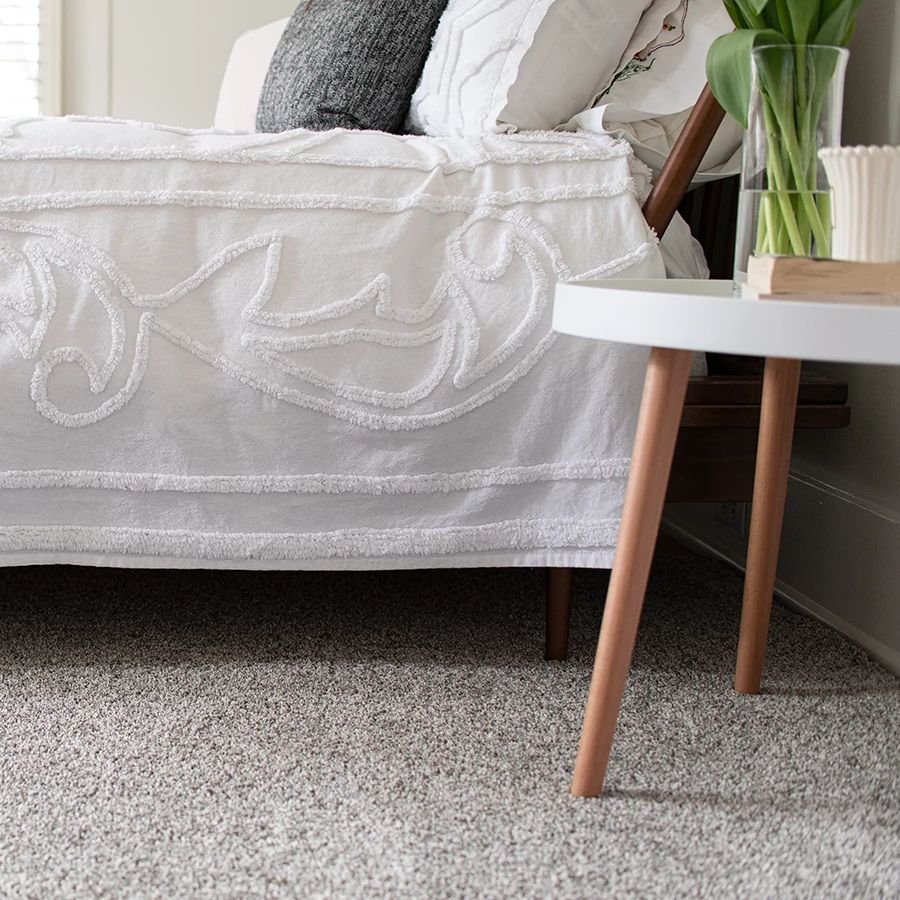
<point x="521" y="64"/>
<point x="245" y="73"/>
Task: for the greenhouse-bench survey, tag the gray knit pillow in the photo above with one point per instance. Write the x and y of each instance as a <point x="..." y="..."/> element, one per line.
<point x="348" y="64"/>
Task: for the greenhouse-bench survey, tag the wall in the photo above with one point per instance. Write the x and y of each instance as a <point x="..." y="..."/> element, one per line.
<point x="840" y="555"/>
<point x="154" y="60"/>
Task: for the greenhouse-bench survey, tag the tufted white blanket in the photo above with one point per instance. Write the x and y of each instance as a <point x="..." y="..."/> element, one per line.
<point x="309" y="350"/>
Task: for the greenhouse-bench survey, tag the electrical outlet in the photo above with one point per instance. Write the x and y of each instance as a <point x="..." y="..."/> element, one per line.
<point x="734" y="516"/>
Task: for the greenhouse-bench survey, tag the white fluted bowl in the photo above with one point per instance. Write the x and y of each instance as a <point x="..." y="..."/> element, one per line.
<point x="865" y="183"/>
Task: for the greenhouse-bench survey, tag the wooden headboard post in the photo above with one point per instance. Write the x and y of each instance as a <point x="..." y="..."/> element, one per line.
<point x="683" y="162"/>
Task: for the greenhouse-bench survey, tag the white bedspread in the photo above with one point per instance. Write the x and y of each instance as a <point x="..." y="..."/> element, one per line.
<point x="309" y="350"/>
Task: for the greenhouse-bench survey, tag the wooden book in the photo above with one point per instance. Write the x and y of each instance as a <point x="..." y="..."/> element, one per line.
<point x="780" y="275"/>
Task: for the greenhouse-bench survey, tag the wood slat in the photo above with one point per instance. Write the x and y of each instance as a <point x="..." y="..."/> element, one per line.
<point x="728" y="390"/>
<point x="820" y="415"/>
<point x="683" y="161"/>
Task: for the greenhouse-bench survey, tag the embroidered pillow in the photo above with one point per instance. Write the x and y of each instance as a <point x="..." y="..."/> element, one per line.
<point x="348" y="64"/>
<point x="665" y="67"/>
<point x="651" y="95"/>
<point x="521" y="64"/>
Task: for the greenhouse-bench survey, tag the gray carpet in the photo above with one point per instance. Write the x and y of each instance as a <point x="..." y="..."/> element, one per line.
<point x="397" y="735"/>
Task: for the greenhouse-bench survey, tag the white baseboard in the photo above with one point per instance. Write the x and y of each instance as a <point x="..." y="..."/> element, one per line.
<point x="840" y="560"/>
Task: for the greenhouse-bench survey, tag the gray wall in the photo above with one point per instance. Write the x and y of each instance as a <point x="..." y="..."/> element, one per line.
<point x="841" y="551"/>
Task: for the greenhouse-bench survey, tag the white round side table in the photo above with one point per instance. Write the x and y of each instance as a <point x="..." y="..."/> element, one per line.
<point x="676" y="318"/>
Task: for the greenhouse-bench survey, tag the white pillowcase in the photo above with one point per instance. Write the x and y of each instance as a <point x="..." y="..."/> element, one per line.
<point x="658" y="83"/>
<point x="519" y="64"/>
<point x="245" y="73"/>
<point x="664" y="74"/>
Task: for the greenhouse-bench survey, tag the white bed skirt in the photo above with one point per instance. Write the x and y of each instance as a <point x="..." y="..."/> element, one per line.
<point x="318" y="351"/>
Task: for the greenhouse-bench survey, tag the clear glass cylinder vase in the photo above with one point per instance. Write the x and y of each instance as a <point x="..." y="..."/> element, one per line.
<point x="796" y="104"/>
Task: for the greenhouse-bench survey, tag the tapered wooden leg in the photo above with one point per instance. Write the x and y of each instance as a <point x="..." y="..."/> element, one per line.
<point x="773" y="461"/>
<point x="559" y="612"/>
<point x="661" y="409"/>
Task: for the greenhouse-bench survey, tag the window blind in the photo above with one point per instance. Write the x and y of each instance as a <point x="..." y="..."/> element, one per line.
<point x="21" y="90"/>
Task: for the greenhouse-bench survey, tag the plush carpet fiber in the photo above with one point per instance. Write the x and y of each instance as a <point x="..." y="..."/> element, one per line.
<point x="170" y="734"/>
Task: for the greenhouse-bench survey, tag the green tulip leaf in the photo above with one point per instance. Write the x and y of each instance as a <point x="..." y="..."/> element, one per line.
<point x="736" y="14"/>
<point x="800" y="19"/>
<point x="729" y="70"/>
<point x="837" y="22"/>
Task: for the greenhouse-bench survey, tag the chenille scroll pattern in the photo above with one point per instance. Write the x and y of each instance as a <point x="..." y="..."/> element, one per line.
<point x="467" y="376"/>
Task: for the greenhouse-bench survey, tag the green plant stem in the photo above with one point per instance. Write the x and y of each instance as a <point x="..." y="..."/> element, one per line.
<point x="763" y="226"/>
<point x="790" y="122"/>
<point x="800" y="172"/>
<point x="778" y="181"/>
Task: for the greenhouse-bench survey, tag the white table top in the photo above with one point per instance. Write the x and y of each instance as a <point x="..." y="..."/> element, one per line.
<point x="710" y="316"/>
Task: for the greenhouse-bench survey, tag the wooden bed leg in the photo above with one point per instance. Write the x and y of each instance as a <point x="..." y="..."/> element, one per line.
<point x="559" y="611"/>
<point x="661" y="409"/>
<point x="781" y="385"/>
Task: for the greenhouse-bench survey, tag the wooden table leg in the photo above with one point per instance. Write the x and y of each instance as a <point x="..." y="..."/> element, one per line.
<point x="661" y="409"/>
<point x="773" y="460"/>
<point x="558" y="613"/>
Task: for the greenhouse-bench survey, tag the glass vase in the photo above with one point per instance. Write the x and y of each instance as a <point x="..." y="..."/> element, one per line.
<point x="796" y="105"/>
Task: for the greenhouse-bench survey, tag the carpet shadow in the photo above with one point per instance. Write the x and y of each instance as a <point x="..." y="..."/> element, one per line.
<point x="486" y="617"/>
<point x="70" y="615"/>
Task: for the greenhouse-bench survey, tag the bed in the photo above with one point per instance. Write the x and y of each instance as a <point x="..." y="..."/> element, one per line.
<point x="332" y="350"/>
<point x="311" y="350"/>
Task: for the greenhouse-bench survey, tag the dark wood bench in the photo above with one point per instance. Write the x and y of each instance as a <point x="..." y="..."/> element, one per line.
<point x="714" y="460"/>
<point x="716" y="450"/>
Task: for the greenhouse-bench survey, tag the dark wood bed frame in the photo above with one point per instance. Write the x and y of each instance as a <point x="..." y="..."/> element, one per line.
<point x="716" y="449"/>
